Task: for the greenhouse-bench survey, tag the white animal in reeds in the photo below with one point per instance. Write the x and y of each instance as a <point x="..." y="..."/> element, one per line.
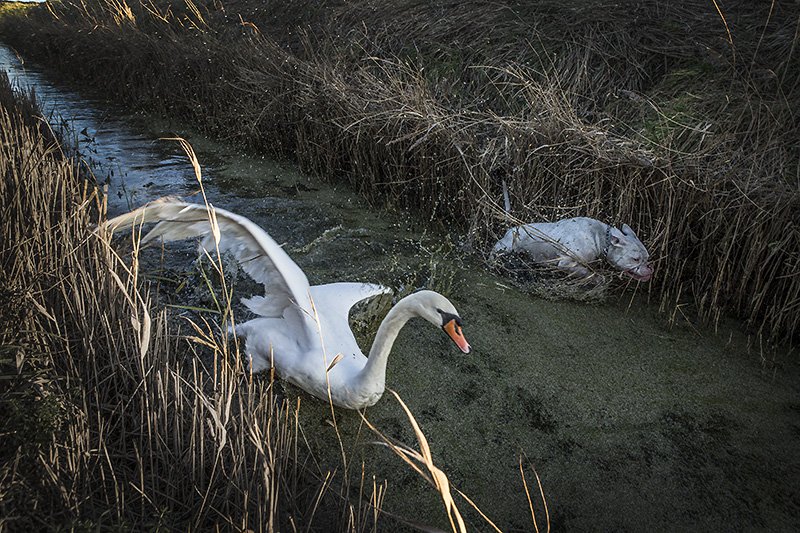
<point x="303" y="330"/>
<point x="572" y="243"/>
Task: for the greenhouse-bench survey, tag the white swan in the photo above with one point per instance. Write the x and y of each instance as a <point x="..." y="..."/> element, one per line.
<point x="304" y="330"/>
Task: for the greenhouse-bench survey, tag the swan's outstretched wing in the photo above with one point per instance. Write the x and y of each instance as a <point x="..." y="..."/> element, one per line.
<point x="260" y="256"/>
<point x="338" y="298"/>
<point x="333" y="302"/>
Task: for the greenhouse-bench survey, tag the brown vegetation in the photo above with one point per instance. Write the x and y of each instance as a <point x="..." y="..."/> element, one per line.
<point x="677" y="119"/>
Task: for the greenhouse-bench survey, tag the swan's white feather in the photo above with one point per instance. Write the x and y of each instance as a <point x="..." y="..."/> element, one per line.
<point x="339" y="298"/>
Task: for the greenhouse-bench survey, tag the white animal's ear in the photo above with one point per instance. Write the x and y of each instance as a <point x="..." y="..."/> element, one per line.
<point x="617" y="237"/>
<point x="626" y="229"/>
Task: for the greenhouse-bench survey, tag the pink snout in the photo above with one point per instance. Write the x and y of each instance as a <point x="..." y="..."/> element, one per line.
<point x="641" y="273"/>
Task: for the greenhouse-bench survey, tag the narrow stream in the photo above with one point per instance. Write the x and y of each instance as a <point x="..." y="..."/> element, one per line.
<point x="631" y="424"/>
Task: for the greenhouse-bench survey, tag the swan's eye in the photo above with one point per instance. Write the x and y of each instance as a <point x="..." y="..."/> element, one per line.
<point x="449" y="317"/>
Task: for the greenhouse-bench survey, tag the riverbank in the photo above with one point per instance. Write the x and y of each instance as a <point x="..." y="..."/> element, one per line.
<point x="676" y="120"/>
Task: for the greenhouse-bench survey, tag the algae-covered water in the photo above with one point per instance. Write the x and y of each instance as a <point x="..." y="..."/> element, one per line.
<point x="631" y="424"/>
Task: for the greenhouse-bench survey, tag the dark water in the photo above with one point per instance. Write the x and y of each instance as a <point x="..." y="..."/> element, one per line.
<point x="632" y="425"/>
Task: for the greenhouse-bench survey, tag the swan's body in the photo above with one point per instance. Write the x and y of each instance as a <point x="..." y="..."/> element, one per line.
<point x="302" y="330"/>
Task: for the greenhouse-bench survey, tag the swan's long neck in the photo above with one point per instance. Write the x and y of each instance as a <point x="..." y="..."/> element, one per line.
<point x="374" y="371"/>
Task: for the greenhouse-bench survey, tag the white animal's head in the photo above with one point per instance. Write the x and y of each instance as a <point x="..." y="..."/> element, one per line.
<point x="438" y="310"/>
<point x="627" y="253"/>
<point x="508" y="243"/>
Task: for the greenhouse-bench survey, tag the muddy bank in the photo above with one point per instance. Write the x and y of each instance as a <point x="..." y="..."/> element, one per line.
<point x="631" y="425"/>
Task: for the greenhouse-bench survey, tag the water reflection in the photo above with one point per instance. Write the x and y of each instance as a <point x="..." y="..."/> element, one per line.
<point x="136" y="167"/>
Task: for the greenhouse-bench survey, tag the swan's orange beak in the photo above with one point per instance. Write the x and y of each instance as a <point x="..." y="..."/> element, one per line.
<point x="454" y="331"/>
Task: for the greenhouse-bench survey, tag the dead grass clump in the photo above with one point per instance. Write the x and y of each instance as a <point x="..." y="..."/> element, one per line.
<point x="422" y="463"/>
<point x="550" y="283"/>
<point x="676" y="119"/>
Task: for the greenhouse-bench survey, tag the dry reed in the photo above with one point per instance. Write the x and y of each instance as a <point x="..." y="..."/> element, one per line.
<point x="109" y="419"/>
<point x="422" y="463"/>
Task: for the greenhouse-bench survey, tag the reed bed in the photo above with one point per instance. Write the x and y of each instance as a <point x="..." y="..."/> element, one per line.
<point x="677" y="119"/>
<point x="110" y="420"/>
